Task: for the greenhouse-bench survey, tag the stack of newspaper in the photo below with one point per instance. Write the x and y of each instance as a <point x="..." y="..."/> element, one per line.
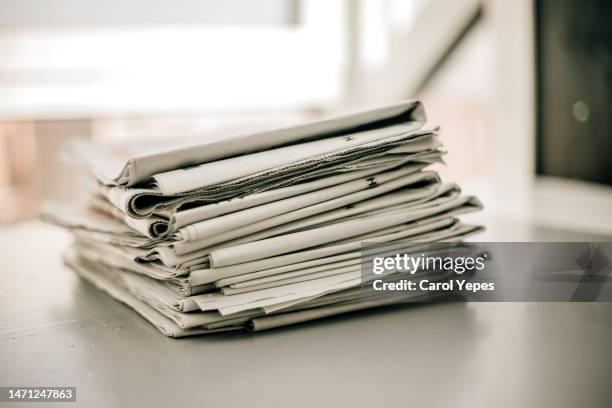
<point x="262" y="230"/>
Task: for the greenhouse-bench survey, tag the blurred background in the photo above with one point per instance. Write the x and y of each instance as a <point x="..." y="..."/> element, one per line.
<point x="522" y="89"/>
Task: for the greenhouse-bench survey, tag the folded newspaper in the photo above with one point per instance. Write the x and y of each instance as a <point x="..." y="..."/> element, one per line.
<point x="261" y="230"/>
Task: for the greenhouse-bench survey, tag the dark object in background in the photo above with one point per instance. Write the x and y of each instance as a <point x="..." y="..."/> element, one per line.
<point x="574" y="89"/>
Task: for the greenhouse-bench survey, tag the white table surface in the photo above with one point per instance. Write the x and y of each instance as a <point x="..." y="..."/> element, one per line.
<point x="58" y="330"/>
